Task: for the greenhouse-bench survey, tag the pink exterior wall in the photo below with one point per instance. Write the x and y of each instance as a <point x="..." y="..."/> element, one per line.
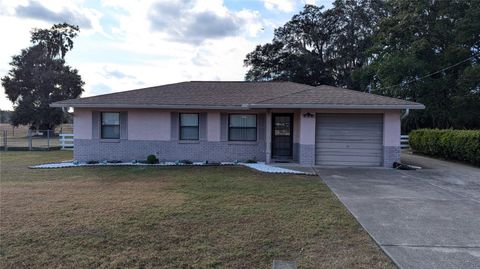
<point x="154" y="124"/>
<point x="391" y="128"/>
<point x="213" y="126"/>
<point x="82" y="123"/>
<point x="296" y="127"/>
<point x="148" y="125"/>
<point x="307" y="128"/>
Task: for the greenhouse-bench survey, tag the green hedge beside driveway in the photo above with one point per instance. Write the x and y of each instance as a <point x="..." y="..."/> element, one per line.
<point x="462" y="145"/>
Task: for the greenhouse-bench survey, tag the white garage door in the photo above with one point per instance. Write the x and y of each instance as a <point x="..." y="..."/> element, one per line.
<point x="349" y="139"/>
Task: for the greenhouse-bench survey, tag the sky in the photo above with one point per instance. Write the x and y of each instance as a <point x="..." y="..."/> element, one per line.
<point x="128" y="44"/>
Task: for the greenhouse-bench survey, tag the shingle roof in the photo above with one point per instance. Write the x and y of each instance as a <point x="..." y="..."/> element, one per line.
<point x="238" y="94"/>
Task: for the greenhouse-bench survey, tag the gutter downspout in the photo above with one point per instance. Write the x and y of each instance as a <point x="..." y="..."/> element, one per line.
<point x="407" y="111"/>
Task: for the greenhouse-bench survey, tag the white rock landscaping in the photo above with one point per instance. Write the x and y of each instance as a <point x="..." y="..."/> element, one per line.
<point x="262" y="167"/>
<point x="271" y="169"/>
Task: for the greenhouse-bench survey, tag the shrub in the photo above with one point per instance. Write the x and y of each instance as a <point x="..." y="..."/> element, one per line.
<point x="152" y="159"/>
<point x="253" y="160"/>
<point x="92" y="162"/>
<point x="114" y="161"/>
<point x="462" y="145"/>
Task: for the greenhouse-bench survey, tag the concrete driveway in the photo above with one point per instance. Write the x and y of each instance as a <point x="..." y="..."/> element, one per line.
<point x="428" y="218"/>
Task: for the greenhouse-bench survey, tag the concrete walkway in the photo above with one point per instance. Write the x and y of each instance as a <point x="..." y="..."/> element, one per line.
<point x="428" y="218"/>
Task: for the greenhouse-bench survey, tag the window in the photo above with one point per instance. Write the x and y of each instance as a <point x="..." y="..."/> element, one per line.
<point x="188" y="126"/>
<point x="242" y="128"/>
<point x="110" y="125"/>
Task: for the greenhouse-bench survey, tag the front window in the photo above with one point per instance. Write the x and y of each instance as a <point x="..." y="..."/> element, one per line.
<point x="188" y="126"/>
<point x="242" y="127"/>
<point x="110" y="125"/>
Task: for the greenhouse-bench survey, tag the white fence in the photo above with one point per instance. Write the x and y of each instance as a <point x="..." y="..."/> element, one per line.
<point x="26" y="139"/>
<point x="404" y="142"/>
<point x="66" y="141"/>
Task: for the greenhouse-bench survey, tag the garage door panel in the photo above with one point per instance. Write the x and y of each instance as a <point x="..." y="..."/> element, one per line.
<point x="350" y="126"/>
<point x="336" y="122"/>
<point x="343" y="159"/>
<point x="348" y="152"/>
<point x="349" y="163"/>
<point x="351" y="132"/>
<point x="342" y="144"/>
<point x="349" y="139"/>
<point x="359" y="135"/>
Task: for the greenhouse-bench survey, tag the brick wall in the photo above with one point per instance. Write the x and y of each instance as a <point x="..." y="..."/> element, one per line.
<point x="391" y="154"/>
<point x="127" y="150"/>
<point x="306" y="154"/>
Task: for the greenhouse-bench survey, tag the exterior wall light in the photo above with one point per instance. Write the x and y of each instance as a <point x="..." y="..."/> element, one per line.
<point x="308" y="115"/>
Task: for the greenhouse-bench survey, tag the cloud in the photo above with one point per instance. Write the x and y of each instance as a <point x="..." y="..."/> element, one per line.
<point x="186" y="22"/>
<point x="281" y="5"/>
<point x="125" y="52"/>
<point x="117" y="74"/>
<point x="201" y="58"/>
<point x="100" y="88"/>
<point x="292" y="5"/>
<point x="36" y="10"/>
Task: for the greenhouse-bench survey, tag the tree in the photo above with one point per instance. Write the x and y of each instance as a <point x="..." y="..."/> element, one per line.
<point x="428" y="51"/>
<point x="318" y="46"/>
<point x="40" y="76"/>
<point x="5" y="116"/>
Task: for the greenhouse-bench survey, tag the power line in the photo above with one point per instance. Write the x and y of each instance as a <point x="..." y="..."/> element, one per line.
<point x="431" y="74"/>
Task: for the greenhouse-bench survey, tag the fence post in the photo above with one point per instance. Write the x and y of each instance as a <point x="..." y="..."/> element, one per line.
<point x="29" y="139"/>
<point x="5" y="145"/>
<point x="48" y="139"/>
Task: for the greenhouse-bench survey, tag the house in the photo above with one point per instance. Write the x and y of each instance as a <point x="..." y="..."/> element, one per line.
<point x="228" y="121"/>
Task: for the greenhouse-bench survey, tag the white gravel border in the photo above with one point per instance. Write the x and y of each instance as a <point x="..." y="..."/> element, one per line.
<point x="262" y="167"/>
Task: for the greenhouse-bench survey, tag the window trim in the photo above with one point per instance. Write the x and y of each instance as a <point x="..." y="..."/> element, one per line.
<point x="256" y="127"/>
<point x="180" y="126"/>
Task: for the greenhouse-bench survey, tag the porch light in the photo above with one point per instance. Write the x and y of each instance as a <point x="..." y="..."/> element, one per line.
<point x="308" y="115"/>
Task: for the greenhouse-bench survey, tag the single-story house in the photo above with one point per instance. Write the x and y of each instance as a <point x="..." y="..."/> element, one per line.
<point x="227" y="121"/>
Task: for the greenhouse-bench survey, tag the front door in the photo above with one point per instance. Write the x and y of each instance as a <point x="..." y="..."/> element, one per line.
<point x="282" y="135"/>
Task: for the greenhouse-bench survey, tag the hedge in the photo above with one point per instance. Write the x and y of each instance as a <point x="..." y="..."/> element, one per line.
<point x="462" y="145"/>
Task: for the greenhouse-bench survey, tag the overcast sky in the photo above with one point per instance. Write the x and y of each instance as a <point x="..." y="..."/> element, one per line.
<point x="127" y="44"/>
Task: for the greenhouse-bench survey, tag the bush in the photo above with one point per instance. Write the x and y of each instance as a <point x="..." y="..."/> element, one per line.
<point x="462" y="145"/>
<point x="152" y="159"/>
<point x="186" y="162"/>
<point x="92" y="162"/>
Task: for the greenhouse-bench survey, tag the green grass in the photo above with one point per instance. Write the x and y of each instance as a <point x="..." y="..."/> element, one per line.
<point x="171" y="217"/>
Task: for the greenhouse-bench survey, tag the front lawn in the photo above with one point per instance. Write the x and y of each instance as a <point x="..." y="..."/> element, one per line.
<point x="171" y="217"/>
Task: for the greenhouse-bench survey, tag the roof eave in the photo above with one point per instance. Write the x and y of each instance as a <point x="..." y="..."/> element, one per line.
<point x="338" y="106"/>
<point x="242" y="107"/>
<point x="147" y="106"/>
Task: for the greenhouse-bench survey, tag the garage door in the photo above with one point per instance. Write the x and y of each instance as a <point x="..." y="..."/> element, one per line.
<point x="349" y="139"/>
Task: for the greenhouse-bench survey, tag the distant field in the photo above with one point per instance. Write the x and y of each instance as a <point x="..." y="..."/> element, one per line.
<point x="18" y="137"/>
<point x="64" y="128"/>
